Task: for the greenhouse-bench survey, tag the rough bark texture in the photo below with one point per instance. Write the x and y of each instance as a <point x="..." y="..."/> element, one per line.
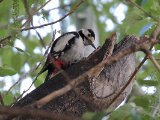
<point x="101" y="89"/>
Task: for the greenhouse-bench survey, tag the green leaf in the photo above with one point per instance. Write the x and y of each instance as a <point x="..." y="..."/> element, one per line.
<point x="121" y="113"/>
<point x="148" y="4"/>
<point x="142" y="101"/>
<point x="151" y="29"/>
<point x="148" y="82"/>
<point x="19" y="49"/>
<point x="141" y="2"/>
<point x="157" y="47"/>
<point x="5" y="70"/>
<point x="93" y="116"/>
<point x="134" y="23"/>
<point x="8" y="99"/>
<point x="17" y="61"/>
<point x="39" y="81"/>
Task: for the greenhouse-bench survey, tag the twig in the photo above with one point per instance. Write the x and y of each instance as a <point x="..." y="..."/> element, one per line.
<point x="9" y="36"/>
<point x="1" y="1"/>
<point x="153" y="60"/>
<point x="3" y="39"/>
<point x="158" y="59"/>
<point x="156" y="32"/>
<point x="136" y="5"/>
<point x="1" y="99"/>
<point x="70" y="12"/>
<point x="22" y="77"/>
<point x="156" y="108"/>
<point x="24" y="29"/>
<point x="59" y="7"/>
<point x="34" y="113"/>
<point x="30" y="17"/>
<point x="19" y="80"/>
<point x="46" y="52"/>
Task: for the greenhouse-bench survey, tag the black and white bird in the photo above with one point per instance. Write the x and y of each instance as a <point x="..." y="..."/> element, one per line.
<point x="67" y="49"/>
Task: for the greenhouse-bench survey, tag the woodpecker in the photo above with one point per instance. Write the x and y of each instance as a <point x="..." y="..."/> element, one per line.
<point x="66" y="50"/>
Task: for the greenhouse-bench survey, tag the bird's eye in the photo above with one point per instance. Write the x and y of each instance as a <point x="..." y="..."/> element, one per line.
<point x="89" y="35"/>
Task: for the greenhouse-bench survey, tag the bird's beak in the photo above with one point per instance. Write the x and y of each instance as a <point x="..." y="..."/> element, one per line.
<point x="93" y="45"/>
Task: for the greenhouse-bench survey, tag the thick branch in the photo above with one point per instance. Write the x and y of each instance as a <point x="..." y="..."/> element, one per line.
<point x="34" y="113"/>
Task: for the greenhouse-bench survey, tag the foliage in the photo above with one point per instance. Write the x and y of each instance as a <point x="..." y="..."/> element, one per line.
<point x="20" y="60"/>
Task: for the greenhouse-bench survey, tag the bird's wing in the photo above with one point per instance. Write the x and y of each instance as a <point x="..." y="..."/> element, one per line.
<point x="63" y="43"/>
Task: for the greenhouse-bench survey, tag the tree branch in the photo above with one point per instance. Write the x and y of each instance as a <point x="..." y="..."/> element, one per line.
<point x="153" y="60"/>
<point x="33" y="113"/>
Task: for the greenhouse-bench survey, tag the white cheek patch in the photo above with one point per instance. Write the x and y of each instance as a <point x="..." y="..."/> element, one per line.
<point x="92" y="39"/>
<point x="56" y="57"/>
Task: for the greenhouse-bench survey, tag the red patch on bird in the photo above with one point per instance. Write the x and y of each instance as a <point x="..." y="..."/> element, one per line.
<point x="58" y="65"/>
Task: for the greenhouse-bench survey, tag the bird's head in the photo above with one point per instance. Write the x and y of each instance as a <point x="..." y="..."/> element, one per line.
<point x="88" y="36"/>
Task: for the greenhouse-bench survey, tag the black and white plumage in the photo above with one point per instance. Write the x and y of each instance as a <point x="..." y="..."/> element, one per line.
<point x="67" y="49"/>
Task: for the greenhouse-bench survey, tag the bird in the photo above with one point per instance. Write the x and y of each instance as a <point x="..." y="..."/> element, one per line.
<point x="67" y="49"/>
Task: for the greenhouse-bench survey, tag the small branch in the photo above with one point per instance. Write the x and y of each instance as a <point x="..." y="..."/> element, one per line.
<point x="24" y="29"/>
<point x="9" y="36"/>
<point x="158" y="59"/>
<point x="153" y="60"/>
<point x="156" y="108"/>
<point x="156" y="32"/>
<point x="1" y="1"/>
<point x="136" y="5"/>
<point x="1" y="99"/>
<point x="60" y="7"/>
<point x="70" y="12"/>
<point x="109" y="52"/>
<point x="34" y="113"/>
<point x="30" y="18"/>
<point x="3" y="39"/>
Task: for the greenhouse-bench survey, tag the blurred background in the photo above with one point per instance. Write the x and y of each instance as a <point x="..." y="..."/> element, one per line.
<point x="21" y="51"/>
